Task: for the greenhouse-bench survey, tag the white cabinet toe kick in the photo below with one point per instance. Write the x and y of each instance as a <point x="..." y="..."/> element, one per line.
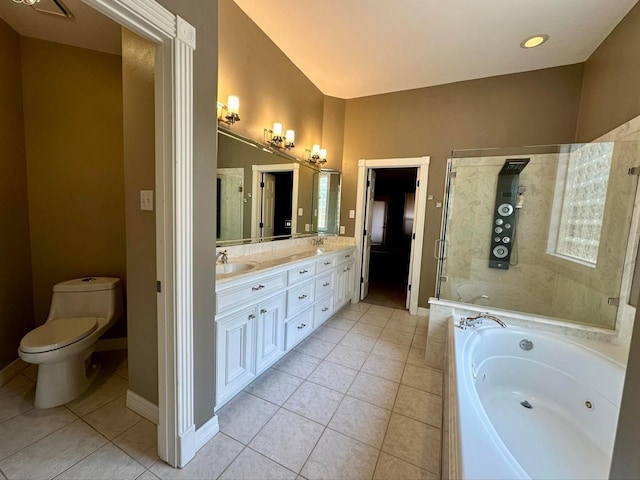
<point x="260" y="317"/>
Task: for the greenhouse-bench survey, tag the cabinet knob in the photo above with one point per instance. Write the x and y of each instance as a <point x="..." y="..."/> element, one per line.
<point x="302" y="272"/>
<point x="327" y="263"/>
<point x="259" y="287"/>
<point x="264" y="310"/>
<point x="347" y="256"/>
<point x="251" y="316"/>
<point x="301" y="326"/>
<point x="302" y="297"/>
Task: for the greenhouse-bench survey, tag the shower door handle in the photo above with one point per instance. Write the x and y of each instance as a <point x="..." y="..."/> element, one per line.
<point x="437" y="248"/>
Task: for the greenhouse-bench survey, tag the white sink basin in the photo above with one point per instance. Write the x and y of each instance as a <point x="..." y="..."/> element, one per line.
<point x="224" y="268"/>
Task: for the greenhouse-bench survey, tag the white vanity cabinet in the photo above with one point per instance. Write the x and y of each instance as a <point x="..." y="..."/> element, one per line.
<point x="261" y="316"/>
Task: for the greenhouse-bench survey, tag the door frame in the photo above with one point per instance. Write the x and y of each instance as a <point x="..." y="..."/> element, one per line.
<point x="175" y="42"/>
<point x="422" y="164"/>
<point x="256" y="200"/>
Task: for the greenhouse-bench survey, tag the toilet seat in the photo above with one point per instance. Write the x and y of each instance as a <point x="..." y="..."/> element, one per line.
<point x="58" y="333"/>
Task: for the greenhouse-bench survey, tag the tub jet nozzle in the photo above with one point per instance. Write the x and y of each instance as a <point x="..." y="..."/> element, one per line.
<point x="526" y="404"/>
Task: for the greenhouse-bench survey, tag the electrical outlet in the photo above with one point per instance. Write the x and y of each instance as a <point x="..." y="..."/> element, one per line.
<point x="306" y="227"/>
<point x="341" y="229"/>
<point x="352" y="214"/>
<point x="300" y="212"/>
<point x="146" y="200"/>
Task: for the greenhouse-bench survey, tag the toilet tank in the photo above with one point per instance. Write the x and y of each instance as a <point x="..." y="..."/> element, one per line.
<point x="87" y="297"/>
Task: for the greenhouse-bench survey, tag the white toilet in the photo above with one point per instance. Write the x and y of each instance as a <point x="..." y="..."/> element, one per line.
<point x="81" y="310"/>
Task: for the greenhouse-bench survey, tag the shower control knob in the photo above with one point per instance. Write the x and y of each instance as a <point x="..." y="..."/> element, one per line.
<point x="498" y="230"/>
<point x="506" y="240"/>
<point x="507" y="226"/>
<point x="499" y="221"/>
<point x="496" y="239"/>
<point x="505" y="209"/>
<point x="500" y="251"/>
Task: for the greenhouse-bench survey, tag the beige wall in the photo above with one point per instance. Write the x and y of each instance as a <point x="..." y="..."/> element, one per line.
<point x="270" y="87"/>
<point x="610" y="93"/>
<point x="333" y="131"/>
<point x="16" y="295"/>
<point x="73" y="131"/>
<point x="538" y="107"/>
<point x="138" y="64"/>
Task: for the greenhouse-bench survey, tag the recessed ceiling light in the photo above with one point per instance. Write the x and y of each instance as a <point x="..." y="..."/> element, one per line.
<point x="534" y="41"/>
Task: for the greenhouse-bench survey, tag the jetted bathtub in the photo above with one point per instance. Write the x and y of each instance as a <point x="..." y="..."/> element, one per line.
<point x="528" y="404"/>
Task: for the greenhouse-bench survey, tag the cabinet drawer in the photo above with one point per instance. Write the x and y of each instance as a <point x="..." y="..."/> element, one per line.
<point x="301" y="272"/>
<point x="299" y="297"/>
<point x="322" y="311"/>
<point x="324" y="264"/>
<point x="249" y="292"/>
<point x="324" y="284"/>
<point x="344" y="257"/>
<point x="298" y="327"/>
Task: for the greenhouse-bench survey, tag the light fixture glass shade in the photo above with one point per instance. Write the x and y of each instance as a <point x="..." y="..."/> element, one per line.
<point x="277" y="129"/>
<point x="315" y="150"/>
<point x="233" y="105"/>
<point x="290" y="136"/>
<point x="323" y="154"/>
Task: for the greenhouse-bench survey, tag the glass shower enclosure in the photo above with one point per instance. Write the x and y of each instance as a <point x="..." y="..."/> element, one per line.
<point x="540" y="230"/>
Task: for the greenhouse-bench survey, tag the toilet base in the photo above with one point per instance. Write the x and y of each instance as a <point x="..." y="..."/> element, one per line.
<point x="60" y="383"/>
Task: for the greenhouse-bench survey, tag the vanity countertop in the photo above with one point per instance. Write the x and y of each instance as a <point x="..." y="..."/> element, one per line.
<point x="266" y="261"/>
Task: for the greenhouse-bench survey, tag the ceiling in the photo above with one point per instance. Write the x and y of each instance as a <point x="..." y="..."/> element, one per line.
<point x="87" y="29"/>
<point x="356" y="48"/>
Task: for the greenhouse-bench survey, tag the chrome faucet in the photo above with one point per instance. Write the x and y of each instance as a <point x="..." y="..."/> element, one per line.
<point x="470" y="322"/>
<point x="221" y="256"/>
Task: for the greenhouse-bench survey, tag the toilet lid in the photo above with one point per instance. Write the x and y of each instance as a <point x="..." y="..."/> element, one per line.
<point x="57" y="334"/>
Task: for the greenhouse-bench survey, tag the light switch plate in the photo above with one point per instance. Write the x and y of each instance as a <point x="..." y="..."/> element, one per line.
<point x="146" y="200"/>
<point x="300" y="212"/>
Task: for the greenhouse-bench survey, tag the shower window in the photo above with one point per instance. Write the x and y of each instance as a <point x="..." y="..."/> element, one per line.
<point x="581" y="190"/>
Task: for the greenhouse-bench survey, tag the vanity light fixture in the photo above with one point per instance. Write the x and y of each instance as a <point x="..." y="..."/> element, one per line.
<point x="275" y="139"/>
<point x="27" y="2"/>
<point x="316" y="155"/>
<point x="232" y="108"/>
<point x="534" y="41"/>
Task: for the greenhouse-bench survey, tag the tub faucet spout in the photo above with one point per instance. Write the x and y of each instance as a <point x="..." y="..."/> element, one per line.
<point x="470" y="322"/>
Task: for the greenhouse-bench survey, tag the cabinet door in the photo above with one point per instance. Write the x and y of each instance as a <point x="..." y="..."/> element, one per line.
<point x="345" y="276"/>
<point x="235" y="336"/>
<point x="270" y="332"/>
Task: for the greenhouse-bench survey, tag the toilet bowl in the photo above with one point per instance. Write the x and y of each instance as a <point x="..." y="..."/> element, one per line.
<point x="81" y="310"/>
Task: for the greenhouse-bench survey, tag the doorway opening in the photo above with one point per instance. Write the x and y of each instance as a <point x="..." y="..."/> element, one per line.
<point x="390" y="226"/>
<point x="392" y="218"/>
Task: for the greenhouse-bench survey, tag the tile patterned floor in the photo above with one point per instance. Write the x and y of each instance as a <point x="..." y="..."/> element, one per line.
<point x="360" y="398"/>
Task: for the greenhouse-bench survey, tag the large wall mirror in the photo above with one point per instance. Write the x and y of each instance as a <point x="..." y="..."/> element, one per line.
<point x="265" y="194"/>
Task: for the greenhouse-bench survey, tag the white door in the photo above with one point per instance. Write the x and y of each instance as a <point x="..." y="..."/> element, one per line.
<point x="416" y="197"/>
<point x="366" y="241"/>
<point x="268" y="189"/>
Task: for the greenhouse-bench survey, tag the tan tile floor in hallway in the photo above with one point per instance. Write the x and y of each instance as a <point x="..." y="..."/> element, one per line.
<point x="354" y="400"/>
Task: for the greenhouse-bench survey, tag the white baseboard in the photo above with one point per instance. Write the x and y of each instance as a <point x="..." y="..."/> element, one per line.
<point x="143" y="407"/>
<point x="206" y="432"/>
<point x="11" y="370"/>
<point x="109" y="344"/>
<point x="423" y="312"/>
